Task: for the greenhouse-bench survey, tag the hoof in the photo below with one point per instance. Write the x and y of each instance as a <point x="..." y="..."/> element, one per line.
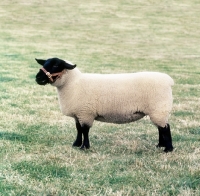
<point x="77" y="144"/>
<point x="160" y="145"/>
<point x="168" y="149"/>
<point x="84" y="147"/>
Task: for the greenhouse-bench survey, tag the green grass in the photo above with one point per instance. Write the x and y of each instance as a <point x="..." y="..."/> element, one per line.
<point x="36" y="156"/>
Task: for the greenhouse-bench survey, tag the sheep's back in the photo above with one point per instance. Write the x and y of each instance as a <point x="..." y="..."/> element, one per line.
<point x="126" y="94"/>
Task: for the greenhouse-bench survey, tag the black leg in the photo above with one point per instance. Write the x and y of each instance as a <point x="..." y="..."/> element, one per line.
<point x="165" y="139"/>
<point x="78" y="141"/>
<point x="86" y="142"/>
<point x="82" y="130"/>
<point x="161" y="142"/>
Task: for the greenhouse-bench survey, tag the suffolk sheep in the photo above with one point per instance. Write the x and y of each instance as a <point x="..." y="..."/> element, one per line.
<point x="112" y="98"/>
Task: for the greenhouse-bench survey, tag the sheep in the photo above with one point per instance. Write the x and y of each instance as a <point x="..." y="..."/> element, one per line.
<point x="112" y="98"/>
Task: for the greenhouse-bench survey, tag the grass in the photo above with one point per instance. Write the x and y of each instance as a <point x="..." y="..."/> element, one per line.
<point x="36" y="155"/>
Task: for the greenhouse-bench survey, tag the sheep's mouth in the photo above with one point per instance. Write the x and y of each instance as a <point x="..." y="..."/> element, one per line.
<point x="42" y="82"/>
<point x="42" y="79"/>
<point x="46" y="81"/>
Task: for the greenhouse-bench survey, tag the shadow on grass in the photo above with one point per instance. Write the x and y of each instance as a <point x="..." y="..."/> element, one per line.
<point x="42" y="171"/>
<point x="194" y="130"/>
<point x="13" y="136"/>
<point x="34" y="135"/>
<point x="6" y="79"/>
<point x="26" y="139"/>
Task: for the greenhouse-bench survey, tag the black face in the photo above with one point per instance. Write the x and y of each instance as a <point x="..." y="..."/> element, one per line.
<point x="53" y="65"/>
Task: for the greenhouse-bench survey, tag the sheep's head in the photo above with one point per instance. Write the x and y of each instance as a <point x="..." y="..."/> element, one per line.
<point x="51" y="70"/>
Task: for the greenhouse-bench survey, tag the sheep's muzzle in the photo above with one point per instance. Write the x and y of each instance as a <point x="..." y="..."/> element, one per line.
<point x="50" y="76"/>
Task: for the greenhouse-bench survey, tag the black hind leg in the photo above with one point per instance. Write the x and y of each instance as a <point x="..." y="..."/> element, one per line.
<point x="161" y="140"/>
<point x="165" y="139"/>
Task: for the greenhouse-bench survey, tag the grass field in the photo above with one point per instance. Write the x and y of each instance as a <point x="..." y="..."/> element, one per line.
<point x="113" y="36"/>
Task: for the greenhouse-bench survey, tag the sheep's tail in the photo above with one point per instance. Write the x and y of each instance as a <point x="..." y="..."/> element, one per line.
<point x="171" y="81"/>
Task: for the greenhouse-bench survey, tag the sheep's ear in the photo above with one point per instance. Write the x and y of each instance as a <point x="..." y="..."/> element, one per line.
<point x="69" y="65"/>
<point x="40" y="61"/>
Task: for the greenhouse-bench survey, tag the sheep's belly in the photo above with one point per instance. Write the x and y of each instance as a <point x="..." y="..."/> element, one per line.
<point x="120" y="118"/>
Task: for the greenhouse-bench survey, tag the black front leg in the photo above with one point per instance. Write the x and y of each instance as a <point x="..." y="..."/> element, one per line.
<point x="165" y="139"/>
<point x="78" y="141"/>
<point x="86" y="142"/>
<point x="82" y="130"/>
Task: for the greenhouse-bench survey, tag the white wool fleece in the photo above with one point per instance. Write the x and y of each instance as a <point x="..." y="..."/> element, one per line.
<point x="115" y="98"/>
